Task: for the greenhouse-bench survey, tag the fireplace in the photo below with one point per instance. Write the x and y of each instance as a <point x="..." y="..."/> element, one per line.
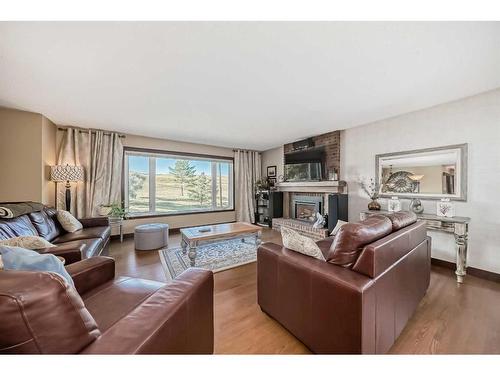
<point x="305" y="207"/>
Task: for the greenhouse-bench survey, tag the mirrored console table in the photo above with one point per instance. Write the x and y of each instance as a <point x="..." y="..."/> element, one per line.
<point x="457" y="225"/>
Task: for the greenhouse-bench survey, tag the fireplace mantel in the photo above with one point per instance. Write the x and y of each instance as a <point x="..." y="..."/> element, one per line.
<point x="312" y="186"/>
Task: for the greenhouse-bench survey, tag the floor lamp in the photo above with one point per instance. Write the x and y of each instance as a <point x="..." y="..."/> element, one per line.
<point x="66" y="173"/>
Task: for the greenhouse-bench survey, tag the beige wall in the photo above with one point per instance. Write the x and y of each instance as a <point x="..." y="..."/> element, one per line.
<point x="474" y="121"/>
<point x="27" y="144"/>
<point x="272" y="157"/>
<point x="179" y="221"/>
<point x="48" y="159"/>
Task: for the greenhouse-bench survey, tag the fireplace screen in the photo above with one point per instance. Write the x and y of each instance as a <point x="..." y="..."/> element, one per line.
<point x="306" y="207"/>
<point x="305" y="211"/>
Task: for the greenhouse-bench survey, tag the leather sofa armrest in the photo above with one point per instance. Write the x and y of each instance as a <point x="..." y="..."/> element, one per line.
<point x="176" y="319"/>
<point x="94" y="222"/>
<point x="91" y="272"/>
<point x="70" y="252"/>
<point x="337" y="299"/>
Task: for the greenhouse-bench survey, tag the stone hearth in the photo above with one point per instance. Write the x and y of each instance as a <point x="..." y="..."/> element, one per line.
<point x="301" y="227"/>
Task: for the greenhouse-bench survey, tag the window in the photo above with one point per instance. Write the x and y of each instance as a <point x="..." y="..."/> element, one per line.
<point x="168" y="183"/>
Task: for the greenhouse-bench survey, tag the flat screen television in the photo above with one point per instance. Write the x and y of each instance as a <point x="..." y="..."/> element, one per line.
<point x="303" y="172"/>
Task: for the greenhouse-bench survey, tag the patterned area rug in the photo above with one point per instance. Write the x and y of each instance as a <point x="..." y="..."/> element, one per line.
<point x="217" y="256"/>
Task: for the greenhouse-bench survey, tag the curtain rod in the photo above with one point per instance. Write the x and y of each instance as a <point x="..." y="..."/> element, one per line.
<point x="239" y="149"/>
<point x="91" y="130"/>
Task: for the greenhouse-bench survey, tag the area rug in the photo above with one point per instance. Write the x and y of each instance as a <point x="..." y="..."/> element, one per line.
<point x="217" y="256"/>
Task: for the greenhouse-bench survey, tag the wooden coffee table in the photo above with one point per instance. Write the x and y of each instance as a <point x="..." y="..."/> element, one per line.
<point x="192" y="237"/>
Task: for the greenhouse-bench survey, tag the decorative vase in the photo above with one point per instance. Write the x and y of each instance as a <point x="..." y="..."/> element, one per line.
<point x="374" y="205"/>
<point x="416" y="206"/>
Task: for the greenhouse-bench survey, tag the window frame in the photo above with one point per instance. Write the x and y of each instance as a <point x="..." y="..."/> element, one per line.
<point x="148" y="152"/>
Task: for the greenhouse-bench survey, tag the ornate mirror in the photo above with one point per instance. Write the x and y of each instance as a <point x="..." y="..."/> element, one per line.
<point x="432" y="173"/>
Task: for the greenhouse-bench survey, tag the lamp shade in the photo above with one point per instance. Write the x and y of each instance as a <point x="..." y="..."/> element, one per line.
<point x="416" y="177"/>
<point x="62" y="173"/>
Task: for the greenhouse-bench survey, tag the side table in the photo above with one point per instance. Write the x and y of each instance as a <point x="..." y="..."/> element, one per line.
<point x="117" y="222"/>
<point x="457" y="225"/>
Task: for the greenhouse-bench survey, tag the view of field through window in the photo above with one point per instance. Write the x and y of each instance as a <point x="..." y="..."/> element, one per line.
<point x="177" y="184"/>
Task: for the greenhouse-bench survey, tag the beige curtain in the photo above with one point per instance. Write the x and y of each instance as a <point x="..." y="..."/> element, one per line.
<point x="101" y="155"/>
<point x="247" y="170"/>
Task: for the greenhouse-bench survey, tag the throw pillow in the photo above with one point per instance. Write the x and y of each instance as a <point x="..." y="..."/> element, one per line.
<point x="301" y="244"/>
<point x="337" y="227"/>
<point x="68" y="222"/>
<point x="27" y="242"/>
<point x="16" y="258"/>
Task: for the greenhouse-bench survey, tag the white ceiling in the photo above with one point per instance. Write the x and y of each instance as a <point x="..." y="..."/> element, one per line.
<point x="253" y="85"/>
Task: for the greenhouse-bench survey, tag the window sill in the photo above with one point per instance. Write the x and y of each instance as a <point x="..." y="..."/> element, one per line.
<point x="145" y="215"/>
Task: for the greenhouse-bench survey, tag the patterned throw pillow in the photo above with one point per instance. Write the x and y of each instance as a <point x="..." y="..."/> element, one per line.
<point x="27" y="242"/>
<point x="301" y="244"/>
<point x="68" y="221"/>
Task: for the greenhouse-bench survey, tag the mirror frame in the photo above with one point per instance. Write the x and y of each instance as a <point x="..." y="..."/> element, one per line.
<point x="462" y="196"/>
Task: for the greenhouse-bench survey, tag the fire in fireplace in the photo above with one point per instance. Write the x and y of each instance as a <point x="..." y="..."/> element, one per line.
<point x="306" y="207"/>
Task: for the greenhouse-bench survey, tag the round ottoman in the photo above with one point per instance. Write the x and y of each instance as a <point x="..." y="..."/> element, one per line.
<point x="151" y="236"/>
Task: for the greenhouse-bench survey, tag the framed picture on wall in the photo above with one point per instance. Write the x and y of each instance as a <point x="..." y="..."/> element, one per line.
<point x="271" y="171"/>
<point x="272" y="181"/>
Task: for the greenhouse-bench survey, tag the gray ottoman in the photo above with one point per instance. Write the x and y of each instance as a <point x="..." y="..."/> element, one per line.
<point x="151" y="236"/>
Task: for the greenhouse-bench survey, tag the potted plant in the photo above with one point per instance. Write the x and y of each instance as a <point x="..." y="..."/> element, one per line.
<point x="372" y="190"/>
<point x="260" y="185"/>
<point x="114" y="211"/>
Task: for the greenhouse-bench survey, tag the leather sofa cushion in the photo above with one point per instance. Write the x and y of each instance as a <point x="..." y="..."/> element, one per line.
<point x="42" y="314"/>
<point x="401" y="219"/>
<point x="93" y="246"/>
<point x="85" y="233"/>
<point x="115" y="299"/>
<point x="45" y="224"/>
<point x="351" y="238"/>
<point x="18" y="226"/>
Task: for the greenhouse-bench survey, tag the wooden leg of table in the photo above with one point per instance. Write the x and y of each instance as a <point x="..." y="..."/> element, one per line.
<point x="192" y="254"/>
<point x="258" y="239"/>
<point x="184" y="246"/>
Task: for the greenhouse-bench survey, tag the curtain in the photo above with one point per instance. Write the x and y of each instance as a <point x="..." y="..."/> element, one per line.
<point x="247" y="170"/>
<point x="101" y="155"/>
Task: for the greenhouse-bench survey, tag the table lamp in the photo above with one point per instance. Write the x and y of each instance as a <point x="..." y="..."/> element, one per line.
<point x="66" y="173"/>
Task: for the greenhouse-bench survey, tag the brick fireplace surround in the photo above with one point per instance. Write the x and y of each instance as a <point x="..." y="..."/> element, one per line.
<point x="330" y="143"/>
<point x="313" y="189"/>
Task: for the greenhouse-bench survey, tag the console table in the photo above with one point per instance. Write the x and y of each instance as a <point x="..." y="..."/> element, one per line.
<point x="457" y="225"/>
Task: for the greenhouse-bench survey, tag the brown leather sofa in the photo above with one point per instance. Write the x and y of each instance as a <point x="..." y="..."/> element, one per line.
<point x="41" y="314"/>
<point x="362" y="303"/>
<point x="90" y="241"/>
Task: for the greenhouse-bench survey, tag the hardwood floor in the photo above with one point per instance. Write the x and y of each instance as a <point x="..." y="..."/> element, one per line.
<point x="451" y="318"/>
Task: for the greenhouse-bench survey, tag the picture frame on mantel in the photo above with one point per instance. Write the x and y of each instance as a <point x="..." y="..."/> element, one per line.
<point x="271" y="171"/>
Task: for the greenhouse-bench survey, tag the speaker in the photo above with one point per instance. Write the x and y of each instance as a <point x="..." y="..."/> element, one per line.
<point x="337" y="209"/>
<point x="302" y="144"/>
<point x="275" y="206"/>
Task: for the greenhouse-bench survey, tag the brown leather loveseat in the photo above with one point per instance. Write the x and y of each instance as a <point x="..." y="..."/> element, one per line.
<point x="361" y="298"/>
<point x="42" y="314"/>
<point x="90" y="241"/>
